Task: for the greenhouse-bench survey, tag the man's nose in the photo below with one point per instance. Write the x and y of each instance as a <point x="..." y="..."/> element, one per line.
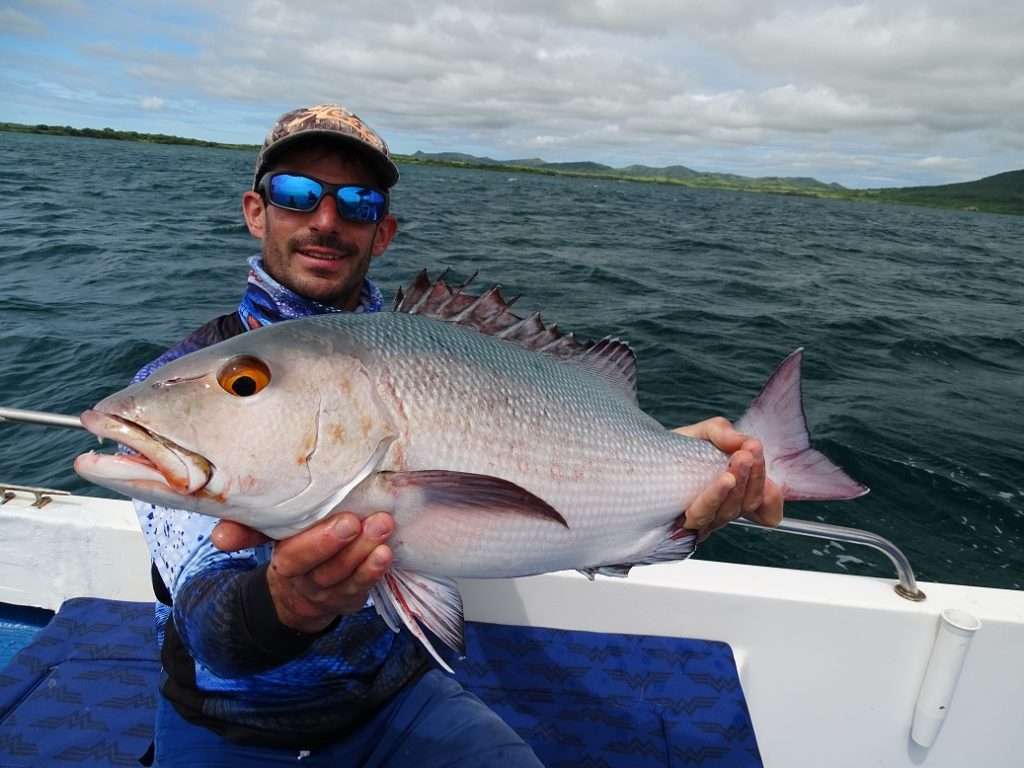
<point x="325" y="216"/>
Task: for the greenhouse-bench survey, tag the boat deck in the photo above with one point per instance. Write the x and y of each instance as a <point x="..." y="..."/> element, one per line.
<point x="84" y="690"/>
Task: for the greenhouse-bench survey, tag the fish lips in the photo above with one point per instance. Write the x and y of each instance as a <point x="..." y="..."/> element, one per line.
<point x="159" y="459"/>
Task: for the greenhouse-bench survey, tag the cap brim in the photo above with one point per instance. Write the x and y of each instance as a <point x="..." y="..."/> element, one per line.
<point x="382" y="165"/>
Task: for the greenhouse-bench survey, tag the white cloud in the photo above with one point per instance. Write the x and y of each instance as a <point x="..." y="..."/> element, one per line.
<point x="953" y="164"/>
<point x="14" y="22"/>
<point x="152" y="102"/>
<point x="654" y="81"/>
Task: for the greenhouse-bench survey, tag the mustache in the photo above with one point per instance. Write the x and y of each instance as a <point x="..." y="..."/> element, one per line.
<point x="323" y="240"/>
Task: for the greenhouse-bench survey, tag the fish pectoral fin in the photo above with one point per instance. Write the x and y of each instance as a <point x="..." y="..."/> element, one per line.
<point x="415" y="600"/>
<point x="465" y="492"/>
<point x="678" y="544"/>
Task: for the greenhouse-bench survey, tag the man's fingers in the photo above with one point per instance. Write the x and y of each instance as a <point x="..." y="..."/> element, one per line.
<point x="327" y="570"/>
<point x="301" y="553"/>
<point x="718" y="431"/>
<point x="345" y="564"/>
<point x="701" y="512"/>
<point x="732" y="506"/>
<point x="771" y="510"/>
<point x="754" y="496"/>
<point x="370" y="571"/>
<point x="229" y="536"/>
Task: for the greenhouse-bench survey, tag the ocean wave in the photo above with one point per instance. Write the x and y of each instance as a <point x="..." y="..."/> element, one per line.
<point x="910" y="318"/>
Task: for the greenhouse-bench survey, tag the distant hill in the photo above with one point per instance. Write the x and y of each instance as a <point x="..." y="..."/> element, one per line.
<point x="672" y="173"/>
<point x="584" y="167"/>
<point x="1002" y="193"/>
<point x="526" y="161"/>
<point x="454" y="157"/>
<point x="111" y="134"/>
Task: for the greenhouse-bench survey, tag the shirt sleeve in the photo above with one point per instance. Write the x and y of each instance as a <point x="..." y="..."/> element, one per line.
<point x="222" y="607"/>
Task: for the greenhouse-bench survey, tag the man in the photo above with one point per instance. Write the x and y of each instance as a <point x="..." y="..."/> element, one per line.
<point x="270" y="652"/>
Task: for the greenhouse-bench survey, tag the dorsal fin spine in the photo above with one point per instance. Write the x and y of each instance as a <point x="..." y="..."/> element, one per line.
<point x="610" y="358"/>
<point x="455" y="295"/>
<point x="415" y="308"/>
<point x="480" y="300"/>
<point x="513" y="328"/>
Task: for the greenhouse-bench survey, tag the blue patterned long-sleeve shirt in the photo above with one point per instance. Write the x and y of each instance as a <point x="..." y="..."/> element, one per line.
<point x="229" y="663"/>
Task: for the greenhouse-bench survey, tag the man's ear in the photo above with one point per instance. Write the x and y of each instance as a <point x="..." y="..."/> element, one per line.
<point x="255" y="212"/>
<point x="385" y="232"/>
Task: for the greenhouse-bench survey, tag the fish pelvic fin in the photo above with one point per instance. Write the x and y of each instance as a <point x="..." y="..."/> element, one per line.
<point x="610" y="359"/>
<point x="417" y="601"/>
<point x="776" y="418"/>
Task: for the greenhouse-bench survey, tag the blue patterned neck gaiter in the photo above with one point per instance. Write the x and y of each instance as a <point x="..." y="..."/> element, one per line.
<point x="266" y="301"/>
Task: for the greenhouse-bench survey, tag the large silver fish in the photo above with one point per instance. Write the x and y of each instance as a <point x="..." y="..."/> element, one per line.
<point x="502" y="447"/>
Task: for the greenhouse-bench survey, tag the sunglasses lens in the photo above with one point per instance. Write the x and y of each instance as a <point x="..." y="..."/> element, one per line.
<point x="362" y="203"/>
<point x="296" y="192"/>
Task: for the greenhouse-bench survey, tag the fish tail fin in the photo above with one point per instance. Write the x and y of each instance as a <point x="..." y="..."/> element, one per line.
<point x="776" y="418"/>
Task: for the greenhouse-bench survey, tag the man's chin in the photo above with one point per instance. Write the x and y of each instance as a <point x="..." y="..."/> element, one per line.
<point x="333" y="290"/>
<point x="332" y="281"/>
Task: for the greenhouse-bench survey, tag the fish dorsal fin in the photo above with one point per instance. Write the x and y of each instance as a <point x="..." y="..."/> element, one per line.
<point x="614" y="361"/>
<point x="611" y="359"/>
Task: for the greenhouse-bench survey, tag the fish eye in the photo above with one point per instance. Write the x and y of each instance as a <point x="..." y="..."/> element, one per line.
<point x="244" y="376"/>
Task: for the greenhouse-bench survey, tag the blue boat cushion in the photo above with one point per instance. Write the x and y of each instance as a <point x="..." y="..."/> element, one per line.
<point x="586" y="698"/>
<point x="84" y="691"/>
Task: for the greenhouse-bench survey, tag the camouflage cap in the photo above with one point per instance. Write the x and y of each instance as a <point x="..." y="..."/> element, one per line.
<point x="330" y="121"/>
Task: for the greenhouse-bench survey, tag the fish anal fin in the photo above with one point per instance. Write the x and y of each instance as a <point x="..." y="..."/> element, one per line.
<point x="417" y="601"/>
<point x="677" y="544"/>
<point x="616" y="571"/>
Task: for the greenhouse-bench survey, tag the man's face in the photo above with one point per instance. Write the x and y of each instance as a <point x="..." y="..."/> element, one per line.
<point x="319" y="255"/>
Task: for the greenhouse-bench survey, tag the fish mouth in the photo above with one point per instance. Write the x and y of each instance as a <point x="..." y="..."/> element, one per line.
<point x="158" y="460"/>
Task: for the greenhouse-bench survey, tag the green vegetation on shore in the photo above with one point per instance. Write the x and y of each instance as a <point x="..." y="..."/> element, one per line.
<point x="675" y="174"/>
<point x="110" y="133"/>
<point x="1002" y="193"/>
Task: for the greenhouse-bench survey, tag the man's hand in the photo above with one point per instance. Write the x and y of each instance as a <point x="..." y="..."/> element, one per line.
<point x="322" y="573"/>
<point x="742" y="490"/>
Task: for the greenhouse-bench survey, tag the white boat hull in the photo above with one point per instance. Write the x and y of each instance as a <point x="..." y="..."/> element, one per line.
<point x="831" y="664"/>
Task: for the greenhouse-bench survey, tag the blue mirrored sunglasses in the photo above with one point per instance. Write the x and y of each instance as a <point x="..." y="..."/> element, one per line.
<point x="295" y="192"/>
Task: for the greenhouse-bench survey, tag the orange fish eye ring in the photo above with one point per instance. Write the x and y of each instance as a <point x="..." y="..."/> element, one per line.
<point x="244" y="376"/>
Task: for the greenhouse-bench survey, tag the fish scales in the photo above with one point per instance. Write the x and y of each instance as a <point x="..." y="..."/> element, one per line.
<point x="466" y="402"/>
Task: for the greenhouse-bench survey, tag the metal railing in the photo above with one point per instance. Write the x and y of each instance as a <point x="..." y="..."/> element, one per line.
<point x="43" y="496"/>
<point x="907" y="586"/>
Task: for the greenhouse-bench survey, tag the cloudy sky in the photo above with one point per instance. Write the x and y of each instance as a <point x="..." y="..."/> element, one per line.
<point x="862" y="93"/>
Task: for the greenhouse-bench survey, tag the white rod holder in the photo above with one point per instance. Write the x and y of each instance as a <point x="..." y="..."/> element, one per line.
<point x="956" y="629"/>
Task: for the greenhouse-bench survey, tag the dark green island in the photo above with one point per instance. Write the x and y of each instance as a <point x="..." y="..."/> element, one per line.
<point x="1001" y="193"/>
